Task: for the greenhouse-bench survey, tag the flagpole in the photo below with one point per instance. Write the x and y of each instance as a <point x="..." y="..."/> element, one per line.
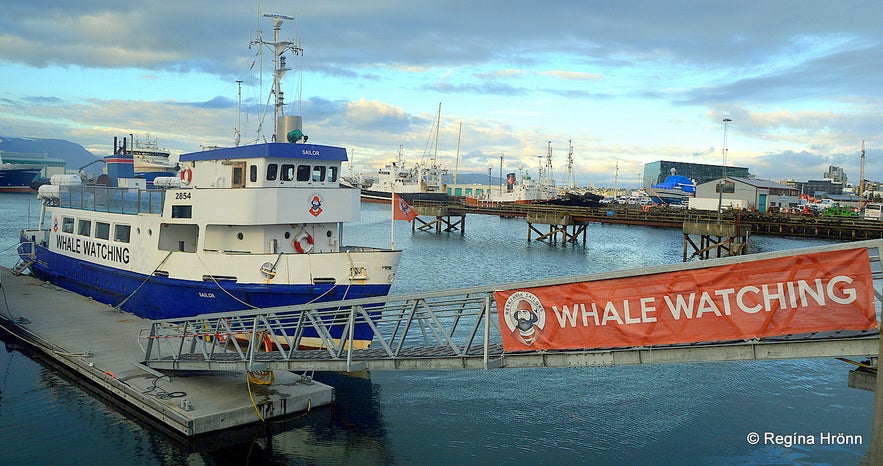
<point x="392" y="225"/>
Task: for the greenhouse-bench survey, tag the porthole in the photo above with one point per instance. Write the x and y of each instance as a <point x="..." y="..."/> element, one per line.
<point x="240" y="235"/>
<point x="287" y="234"/>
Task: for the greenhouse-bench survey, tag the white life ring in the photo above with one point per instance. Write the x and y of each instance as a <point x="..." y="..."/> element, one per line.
<point x="186" y="176"/>
<point x="303" y="243"/>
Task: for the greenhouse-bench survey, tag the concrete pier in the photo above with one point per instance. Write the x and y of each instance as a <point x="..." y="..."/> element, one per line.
<point x="100" y="345"/>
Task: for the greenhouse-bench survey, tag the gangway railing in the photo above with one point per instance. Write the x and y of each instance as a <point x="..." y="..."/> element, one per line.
<point x="453" y="329"/>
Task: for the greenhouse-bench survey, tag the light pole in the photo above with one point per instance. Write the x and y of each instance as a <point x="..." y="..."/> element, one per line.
<point x="726" y="121"/>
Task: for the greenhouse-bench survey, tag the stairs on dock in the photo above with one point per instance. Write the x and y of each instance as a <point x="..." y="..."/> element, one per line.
<point x="22" y="266"/>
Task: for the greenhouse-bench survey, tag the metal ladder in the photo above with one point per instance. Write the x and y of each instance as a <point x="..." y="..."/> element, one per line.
<point x="22" y="266"/>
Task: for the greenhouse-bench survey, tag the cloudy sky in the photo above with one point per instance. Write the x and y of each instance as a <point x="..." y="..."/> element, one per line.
<point x="628" y="82"/>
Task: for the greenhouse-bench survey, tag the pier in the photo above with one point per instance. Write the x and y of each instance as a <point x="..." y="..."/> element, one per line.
<point x="758" y="223"/>
<point x="98" y="344"/>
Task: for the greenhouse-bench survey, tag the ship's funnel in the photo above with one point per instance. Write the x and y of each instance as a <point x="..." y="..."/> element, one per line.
<point x="288" y="128"/>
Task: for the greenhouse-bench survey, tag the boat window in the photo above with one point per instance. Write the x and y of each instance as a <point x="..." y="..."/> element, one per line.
<point x="84" y="227"/>
<point x="121" y="233"/>
<point x="67" y="225"/>
<point x="272" y="170"/>
<point x="332" y="174"/>
<point x="303" y="173"/>
<point x="319" y="173"/>
<point x="253" y="173"/>
<point x="102" y="230"/>
<point x="182" y="211"/>
<point x="237" y="179"/>
<point x="287" y="173"/>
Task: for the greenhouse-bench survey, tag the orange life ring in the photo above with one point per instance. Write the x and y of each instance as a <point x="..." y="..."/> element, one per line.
<point x="186" y="175"/>
<point x="303" y="243"/>
<point x="645" y="208"/>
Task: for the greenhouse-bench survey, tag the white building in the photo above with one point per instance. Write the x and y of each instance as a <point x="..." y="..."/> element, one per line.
<point x="751" y="194"/>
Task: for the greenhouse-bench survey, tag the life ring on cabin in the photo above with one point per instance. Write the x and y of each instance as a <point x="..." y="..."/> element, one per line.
<point x="303" y="243"/>
<point x="186" y="176"/>
<point x="645" y="208"/>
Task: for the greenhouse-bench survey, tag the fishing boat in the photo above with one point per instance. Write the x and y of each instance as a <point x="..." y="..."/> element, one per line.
<point x="420" y="182"/>
<point x="242" y="227"/>
<point x="674" y="189"/>
<point x="526" y="191"/>
<point x="424" y="181"/>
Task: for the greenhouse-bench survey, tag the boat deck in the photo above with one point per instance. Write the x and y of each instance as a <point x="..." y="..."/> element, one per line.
<point x="101" y="345"/>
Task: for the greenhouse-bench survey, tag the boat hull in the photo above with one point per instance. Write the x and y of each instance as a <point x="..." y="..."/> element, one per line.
<point x="157" y="297"/>
<point x="668" y="196"/>
<point x="17" y="180"/>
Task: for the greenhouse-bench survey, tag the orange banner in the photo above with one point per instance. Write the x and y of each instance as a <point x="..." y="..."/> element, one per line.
<point x="772" y="297"/>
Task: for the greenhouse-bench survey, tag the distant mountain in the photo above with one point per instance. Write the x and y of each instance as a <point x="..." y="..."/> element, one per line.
<point x="74" y="155"/>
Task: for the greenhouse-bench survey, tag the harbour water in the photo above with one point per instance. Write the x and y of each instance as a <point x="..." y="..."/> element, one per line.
<point x="663" y="414"/>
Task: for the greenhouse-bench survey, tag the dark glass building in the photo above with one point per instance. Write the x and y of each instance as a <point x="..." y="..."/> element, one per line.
<point x="655" y="172"/>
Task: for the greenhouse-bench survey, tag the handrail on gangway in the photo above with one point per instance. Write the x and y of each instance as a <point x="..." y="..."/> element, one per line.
<point x="451" y="329"/>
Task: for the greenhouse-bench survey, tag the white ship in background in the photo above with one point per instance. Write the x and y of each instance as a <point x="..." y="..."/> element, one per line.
<point x="526" y="191"/>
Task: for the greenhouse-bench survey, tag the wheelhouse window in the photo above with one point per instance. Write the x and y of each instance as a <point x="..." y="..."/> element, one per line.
<point x="332" y="174"/>
<point x="182" y="211"/>
<point x="121" y="233"/>
<point x="67" y="225"/>
<point x="272" y="171"/>
<point x="303" y="173"/>
<point x="253" y="173"/>
<point x="287" y="173"/>
<point x="319" y="173"/>
<point x="84" y="227"/>
<point x="102" y="230"/>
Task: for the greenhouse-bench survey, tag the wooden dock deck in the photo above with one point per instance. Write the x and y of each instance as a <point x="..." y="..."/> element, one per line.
<point x="760" y="223"/>
<point x="100" y="345"/>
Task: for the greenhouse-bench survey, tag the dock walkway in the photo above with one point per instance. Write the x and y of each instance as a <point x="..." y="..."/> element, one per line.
<point x="101" y="345"/>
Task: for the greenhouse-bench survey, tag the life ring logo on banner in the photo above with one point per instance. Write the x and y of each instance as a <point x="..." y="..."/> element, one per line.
<point x="525" y="317"/>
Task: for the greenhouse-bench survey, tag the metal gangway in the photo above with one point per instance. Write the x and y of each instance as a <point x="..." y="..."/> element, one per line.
<point x="454" y="329"/>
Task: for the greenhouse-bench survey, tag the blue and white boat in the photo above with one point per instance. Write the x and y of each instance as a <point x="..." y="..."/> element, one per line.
<point x="674" y="189"/>
<point x="242" y="227"/>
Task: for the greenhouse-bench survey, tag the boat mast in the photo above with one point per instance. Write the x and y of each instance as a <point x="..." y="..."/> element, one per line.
<point x="236" y="133"/>
<point x="279" y="66"/>
<point x="570" y="183"/>
<point x="437" y="130"/>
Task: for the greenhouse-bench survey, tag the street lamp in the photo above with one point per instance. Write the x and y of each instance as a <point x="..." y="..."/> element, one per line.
<point x="726" y="121"/>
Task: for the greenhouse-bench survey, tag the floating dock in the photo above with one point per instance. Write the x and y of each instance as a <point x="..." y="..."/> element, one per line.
<point x="100" y="344"/>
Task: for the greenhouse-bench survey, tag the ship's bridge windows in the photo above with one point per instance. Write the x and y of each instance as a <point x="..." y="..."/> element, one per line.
<point x="319" y="173"/>
<point x="121" y="233"/>
<point x="102" y="230"/>
<point x="67" y="225"/>
<point x="303" y="172"/>
<point x="287" y="172"/>
<point x="332" y="174"/>
<point x="272" y="171"/>
<point x="84" y="227"/>
<point x="253" y="173"/>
